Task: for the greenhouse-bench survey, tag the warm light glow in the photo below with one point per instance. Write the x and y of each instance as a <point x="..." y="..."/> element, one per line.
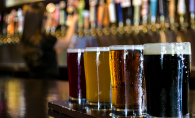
<point x="50" y="7"/>
<point x="15" y="98"/>
<point x="62" y="4"/>
<point x="11" y="3"/>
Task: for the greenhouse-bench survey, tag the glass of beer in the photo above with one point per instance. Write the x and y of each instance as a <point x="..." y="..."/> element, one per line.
<point x="76" y="75"/>
<point x="127" y="80"/>
<point x="167" y="72"/>
<point x="97" y="73"/>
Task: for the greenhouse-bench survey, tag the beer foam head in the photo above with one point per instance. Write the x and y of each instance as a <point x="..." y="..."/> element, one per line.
<point x="93" y="49"/>
<point x="75" y="50"/>
<point x="126" y="47"/>
<point x="167" y="48"/>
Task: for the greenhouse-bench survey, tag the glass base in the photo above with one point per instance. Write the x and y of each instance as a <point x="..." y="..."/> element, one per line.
<point x="185" y="116"/>
<point x="130" y="113"/>
<point x="77" y="100"/>
<point x="98" y="106"/>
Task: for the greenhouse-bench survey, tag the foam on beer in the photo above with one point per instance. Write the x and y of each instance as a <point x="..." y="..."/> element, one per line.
<point x="167" y="48"/>
<point x="126" y="47"/>
<point x="92" y="49"/>
<point x="75" y="50"/>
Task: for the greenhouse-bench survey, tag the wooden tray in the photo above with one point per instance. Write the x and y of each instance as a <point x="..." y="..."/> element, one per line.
<point x="76" y="110"/>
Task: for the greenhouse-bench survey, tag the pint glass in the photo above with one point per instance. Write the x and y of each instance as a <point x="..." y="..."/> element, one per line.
<point x="167" y="72"/>
<point x="98" y="88"/>
<point x="76" y="75"/>
<point x="127" y="80"/>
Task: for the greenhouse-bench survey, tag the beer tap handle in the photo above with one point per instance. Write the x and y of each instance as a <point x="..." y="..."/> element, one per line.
<point x="181" y="11"/>
<point x="144" y="11"/>
<point x="106" y="19"/>
<point x="181" y="7"/>
<point x="62" y="13"/>
<point x="106" y="16"/>
<point x="120" y="13"/>
<point x="125" y="3"/>
<point x="100" y="13"/>
<point x="92" y="5"/>
<point x="112" y="12"/>
<point x="162" y="20"/>
<point x="153" y="10"/>
<point x="136" y="18"/>
<point x="127" y="11"/>
<point x="172" y="10"/>
<point x="166" y="11"/>
<point x="161" y="10"/>
<point x="191" y="6"/>
<point x="86" y="19"/>
<point x="172" y="13"/>
<point x="81" y="7"/>
<point x="86" y="22"/>
<point x="191" y="9"/>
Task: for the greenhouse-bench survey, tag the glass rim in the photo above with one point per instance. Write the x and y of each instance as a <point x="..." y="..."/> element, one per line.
<point x="124" y="47"/>
<point x="91" y="49"/>
<point x="75" y="50"/>
<point x="167" y="48"/>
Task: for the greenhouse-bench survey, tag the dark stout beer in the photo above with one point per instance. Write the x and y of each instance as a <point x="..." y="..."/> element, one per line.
<point x="167" y="78"/>
<point x="127" y="78"/>
<point x="167" y="72"/>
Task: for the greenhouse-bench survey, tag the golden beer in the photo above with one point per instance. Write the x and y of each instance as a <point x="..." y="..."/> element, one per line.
<point x="127" y="78"/>
<point x="97" y="73"/>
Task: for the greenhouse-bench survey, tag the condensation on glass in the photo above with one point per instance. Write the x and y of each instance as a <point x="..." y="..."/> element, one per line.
<point x="76" y="75"/>
<point x="127" y="80"/>
<point x="98" y="88"/>
<point x="167" y="71"/>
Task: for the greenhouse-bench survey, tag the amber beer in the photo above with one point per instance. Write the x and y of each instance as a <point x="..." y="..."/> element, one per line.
<point x="127" y="80"/>
<point x="97" y="73"/>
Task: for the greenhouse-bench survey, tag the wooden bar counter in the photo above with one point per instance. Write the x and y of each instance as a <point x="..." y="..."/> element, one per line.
<point x="28" y="98"/>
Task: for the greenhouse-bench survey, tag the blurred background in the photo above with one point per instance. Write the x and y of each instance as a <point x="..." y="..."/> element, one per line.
<point x="101" y="23"/>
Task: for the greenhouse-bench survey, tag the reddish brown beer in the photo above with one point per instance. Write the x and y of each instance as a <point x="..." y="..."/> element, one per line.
<point x="76" y="75"/>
